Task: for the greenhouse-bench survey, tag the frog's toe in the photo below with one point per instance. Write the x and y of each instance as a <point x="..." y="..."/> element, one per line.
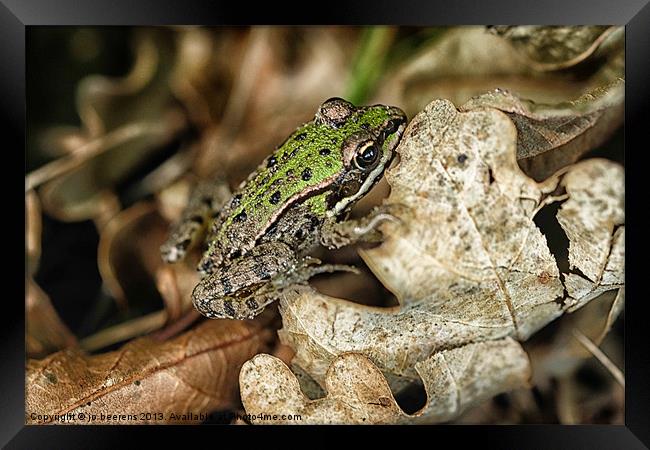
<point x="211" y="299"/>
<point x="172" y="252"/>
<point x="208" y="299"/>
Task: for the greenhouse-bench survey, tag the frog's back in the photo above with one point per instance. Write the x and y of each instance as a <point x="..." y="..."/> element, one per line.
<point x="304" y="165"/>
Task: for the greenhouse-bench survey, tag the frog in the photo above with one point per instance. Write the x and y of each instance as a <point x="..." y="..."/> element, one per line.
<point x="259" y="238"/>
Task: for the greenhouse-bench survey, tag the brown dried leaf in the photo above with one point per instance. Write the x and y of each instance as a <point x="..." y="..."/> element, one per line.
<point x="357" y="392"/>
<point x="468" y="61"/>
<point x="199" y="71"/>
<point x="175" y="284"/>
<point x="33" y="225"/>
<point x="191" y="374"/>
<point x="261" y="109"/>
<point x="468" y="264"/>
<point x="597" y="209"/>
<point x="555" y="47"/>
<point x="614" y="311"/>
<point x="464" y="62"/>
<point x="173" y="199"/>
<point x="62" y="140"/>
<point x="551" y="136"/>
<point x="564" y="355"/>
<point x="128" y="255"/>
<point x="143" y="95"/>
<point x="45" y="331"/>
<point x="77" y="194"/>
<point x="125" y="122"/>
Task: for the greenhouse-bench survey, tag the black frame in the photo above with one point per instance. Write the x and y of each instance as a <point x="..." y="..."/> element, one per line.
<point x="16" y="15"/>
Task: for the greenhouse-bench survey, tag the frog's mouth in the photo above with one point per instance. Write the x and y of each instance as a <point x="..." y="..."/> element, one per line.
<point x="374" y="176"/>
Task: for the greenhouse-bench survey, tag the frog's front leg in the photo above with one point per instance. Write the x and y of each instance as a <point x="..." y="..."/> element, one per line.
<point x="243" y="288"/>
<point x="206" y="200"/>
<point x="338" y="234"/>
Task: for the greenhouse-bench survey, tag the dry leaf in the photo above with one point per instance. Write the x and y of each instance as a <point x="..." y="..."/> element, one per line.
<point x="125" y="122"/>
<point x="143" y="95"/>
<point x="468" y="61"/>
<point x="45" y="331"/>
<point x="357" y="392"/>
<point x="464" y="62"/>
<point x="468" y="264"/>
<point x="33" y="226"/>
<point x="201" y="71"/>
<point x="564" y="354"/>
<point x="175" y="284"/>
<point x="261" y="112"/>
<point x="128" y="255"/>
<point x="172" y="200"/>
<point x="554" y="47"/>
<point x="594" y="220"/>
<point x="551" y="136"/>
<point x="191" y="374"/>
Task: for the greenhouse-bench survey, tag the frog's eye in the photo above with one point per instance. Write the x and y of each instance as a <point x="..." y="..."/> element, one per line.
<point x="367" y="155"/>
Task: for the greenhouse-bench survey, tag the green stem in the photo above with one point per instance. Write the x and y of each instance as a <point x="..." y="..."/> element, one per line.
<point x="369" y="62"/>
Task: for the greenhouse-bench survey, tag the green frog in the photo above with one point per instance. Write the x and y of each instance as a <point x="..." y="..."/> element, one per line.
<point x="259" y="238"/>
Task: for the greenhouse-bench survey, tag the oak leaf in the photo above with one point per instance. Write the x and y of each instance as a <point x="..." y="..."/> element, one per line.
<point x="193" y="373"/>
<point x="467" y="263"/>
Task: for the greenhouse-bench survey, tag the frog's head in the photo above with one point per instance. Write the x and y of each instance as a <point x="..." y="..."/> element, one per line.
<point x="367" y="137"/>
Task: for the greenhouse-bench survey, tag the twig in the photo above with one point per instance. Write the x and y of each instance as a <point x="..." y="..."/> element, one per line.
<point x="124" y="331"/>
<point x="180" y="325"/>
<point x="604" y="360"/>
<point x="83" y="153"/>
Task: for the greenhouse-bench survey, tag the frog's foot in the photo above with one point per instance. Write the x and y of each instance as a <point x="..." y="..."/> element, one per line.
<point x="338" y="234"/>
<point x="230" y="307"/>
<point x="307" y="268"/>
<point x="241" y="289"/>
<point x="206" y="199"/>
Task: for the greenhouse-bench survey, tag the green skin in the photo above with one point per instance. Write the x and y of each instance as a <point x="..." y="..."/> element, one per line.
<point x="260" y="237"/>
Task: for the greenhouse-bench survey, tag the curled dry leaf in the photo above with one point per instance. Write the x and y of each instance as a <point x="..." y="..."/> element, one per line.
<point x="260" y="112"/>
<point x="468" y="61"/>
<point x="551" y="136"/>
<point x="125" y="122"/>
<point x="175" y="284"/>
<point x="106" y="104"/>
<point x="467" y="264"/>
<point x="462" y="63"/>
<point x="357" y="392"/>
<point x="33" y="226"/>
<point x="128" y="255"/>
<point x="199" y="72"/>
<point x="554" y="47"/>
<point x="191" y="374"/>
<point x="77" y="195"/>
<point x="45" y="331"/>
<point x="62" y="140"/>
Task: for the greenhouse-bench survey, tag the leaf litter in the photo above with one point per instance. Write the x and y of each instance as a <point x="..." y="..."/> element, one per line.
<point x="468" y="266"/>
